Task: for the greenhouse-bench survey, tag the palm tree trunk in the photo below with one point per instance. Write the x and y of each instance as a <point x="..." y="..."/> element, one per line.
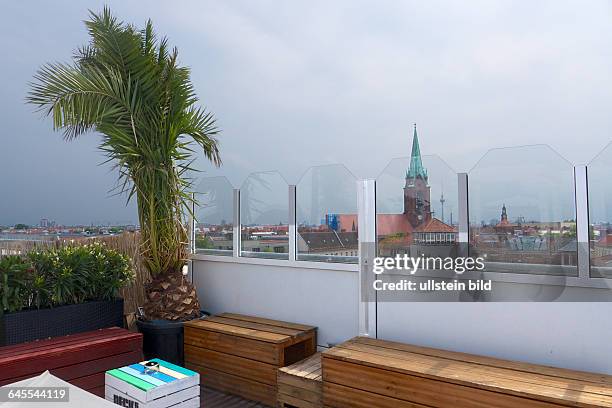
<point x="169" y="296"/>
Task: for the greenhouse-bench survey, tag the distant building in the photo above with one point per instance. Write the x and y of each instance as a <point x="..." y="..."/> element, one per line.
<point x="329" y="243"/>
<point x="504" y="216"/>
<point x="415" y="231"/>
<point x="417" y="200"/>
<point x="535" y="242"/>
<point x="601" y="250"/>
<point x="504" y="226"/>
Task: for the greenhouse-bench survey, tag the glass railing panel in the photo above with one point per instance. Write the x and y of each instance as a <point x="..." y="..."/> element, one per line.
<point x="264" y="216"/>
<point x="326" y="201"/>
<point x="214" y="216"/>
<point x="416" y="208"/>
<point x="600" y="213"/>
<point x="522" y="211"/>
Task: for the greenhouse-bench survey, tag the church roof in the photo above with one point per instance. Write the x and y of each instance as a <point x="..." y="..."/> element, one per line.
<point x="416" y="164"/>
<point x="388" y="224"/>
<point x="435" y="225"/>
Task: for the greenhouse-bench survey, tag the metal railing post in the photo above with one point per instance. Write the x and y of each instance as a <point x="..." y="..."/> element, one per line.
<point x="237" y="228"/>
<point x="582" y="221"/>
<point x="292" y="223"/>
<point x="366" y="227"/>
<point x="464" y="214"/>
<point x="192" y="225"/>
<point x="191" y="239"/>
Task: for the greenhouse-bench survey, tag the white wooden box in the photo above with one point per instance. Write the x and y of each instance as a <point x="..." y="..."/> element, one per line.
<point x="135" y="387"/>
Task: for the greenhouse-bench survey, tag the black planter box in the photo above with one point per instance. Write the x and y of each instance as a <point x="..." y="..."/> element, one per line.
<point x="28" y="325"/>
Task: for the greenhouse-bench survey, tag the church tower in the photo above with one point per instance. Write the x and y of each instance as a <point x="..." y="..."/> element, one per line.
<point x="504" y="216"/>
<point x="417" y="204"/>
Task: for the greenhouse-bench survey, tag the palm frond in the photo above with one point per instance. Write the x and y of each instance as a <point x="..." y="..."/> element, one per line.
<point x="128" y="86"/>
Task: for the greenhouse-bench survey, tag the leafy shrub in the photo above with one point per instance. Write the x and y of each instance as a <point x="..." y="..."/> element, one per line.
<point x="14" y="282"/>
<point x="69" y="275"/>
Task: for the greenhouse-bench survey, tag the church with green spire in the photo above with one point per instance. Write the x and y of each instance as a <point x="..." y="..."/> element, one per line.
<point x="417" y="200"/>
<point x="415" y="231"/>
<point x="416" y="168"/>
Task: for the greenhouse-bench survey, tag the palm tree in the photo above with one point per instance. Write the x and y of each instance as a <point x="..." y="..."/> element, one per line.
<point x="128" y="86"/>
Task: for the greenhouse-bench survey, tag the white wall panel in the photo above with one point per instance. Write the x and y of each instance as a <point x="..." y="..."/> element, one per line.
<point x="570" y="335"/>
<point x="323" y="298"/>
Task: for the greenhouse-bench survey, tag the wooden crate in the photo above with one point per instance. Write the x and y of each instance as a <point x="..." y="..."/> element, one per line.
<point x="240" y="354"/>
<point x="300" y="384"/>
<point x="169" y="386"/>
<point x="365" y="372"/>
<point x="81" y="359"/>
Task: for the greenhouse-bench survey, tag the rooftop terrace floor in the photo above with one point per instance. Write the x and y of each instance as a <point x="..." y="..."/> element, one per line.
<point x="216" y="399"/>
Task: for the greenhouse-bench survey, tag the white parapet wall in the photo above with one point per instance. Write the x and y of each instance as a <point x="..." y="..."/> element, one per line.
<point x="575" y="335"/>
<point x="560" y="334"/>
<point x="326" y="298"/>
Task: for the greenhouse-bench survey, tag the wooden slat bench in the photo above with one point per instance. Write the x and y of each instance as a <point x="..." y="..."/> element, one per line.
<point x="240" y="354"/>
<point x="81" y="359"/>
<point x="365" y="372"/>
<point x="300" y="384"/>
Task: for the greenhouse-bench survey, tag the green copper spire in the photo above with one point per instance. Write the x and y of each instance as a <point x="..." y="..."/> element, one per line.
<point x="416" y="164"/>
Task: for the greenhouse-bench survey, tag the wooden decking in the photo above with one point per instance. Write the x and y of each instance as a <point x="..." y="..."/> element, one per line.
<point x="210" y="398"/>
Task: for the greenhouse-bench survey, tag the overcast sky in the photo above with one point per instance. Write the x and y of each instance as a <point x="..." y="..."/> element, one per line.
<point x="296" y="84"/>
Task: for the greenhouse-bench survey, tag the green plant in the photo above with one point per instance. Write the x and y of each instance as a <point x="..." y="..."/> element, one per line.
<point x="14" y="279"/>
<point x="203" y="242"/>
<point x="128" y="86"/>
<point x="69" y="275"/>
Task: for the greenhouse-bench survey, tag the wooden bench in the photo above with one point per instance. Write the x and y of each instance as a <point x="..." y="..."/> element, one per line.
<point x="240" y="354"/>
<point x="81" y="359"/>
<point x="300" y="384"/>
<point x="365" y="372"/>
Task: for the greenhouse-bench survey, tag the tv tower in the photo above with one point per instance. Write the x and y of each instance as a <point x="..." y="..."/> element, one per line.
<point x="442" y="201"/>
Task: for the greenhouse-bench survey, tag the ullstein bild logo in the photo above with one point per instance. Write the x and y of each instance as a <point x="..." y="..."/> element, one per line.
<point x="404" y="262"/>
<point x="124" y="402"/>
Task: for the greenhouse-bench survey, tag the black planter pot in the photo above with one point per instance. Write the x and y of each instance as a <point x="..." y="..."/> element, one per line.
<point x="162" y="339"/>
<point x="28" y="325"/>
